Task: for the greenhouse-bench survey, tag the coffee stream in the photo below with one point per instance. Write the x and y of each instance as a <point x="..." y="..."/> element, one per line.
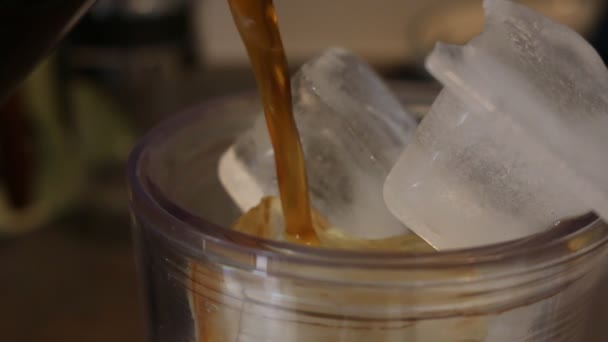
<point x="257" y="23"/>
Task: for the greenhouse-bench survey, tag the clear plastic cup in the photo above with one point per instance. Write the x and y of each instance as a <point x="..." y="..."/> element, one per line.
<point x="204" y="282"/>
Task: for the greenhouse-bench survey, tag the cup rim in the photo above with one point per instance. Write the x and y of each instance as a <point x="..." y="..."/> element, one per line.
<point x="187" y="229"/>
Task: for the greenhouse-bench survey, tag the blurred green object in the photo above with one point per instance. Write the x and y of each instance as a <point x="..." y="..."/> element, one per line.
<point x="67" y="156"/>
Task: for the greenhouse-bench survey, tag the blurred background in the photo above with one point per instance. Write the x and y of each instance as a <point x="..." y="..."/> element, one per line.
<point x="66" y="267"/>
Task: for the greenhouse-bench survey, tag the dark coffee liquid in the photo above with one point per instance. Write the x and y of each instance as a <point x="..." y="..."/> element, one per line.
<point x="257" y="23"/>
<point x="29" y="29"/>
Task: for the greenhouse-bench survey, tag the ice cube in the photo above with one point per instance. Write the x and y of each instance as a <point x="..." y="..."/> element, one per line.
<point x="352" y="130"/>
<point x="515" y="140"/>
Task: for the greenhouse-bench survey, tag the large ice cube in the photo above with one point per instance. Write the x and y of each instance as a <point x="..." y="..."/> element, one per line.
<point x="352" y="130"/>
<point x="516" y="139"/>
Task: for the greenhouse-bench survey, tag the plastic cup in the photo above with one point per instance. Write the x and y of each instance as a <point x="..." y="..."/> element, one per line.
<point x="204" y="282"/>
